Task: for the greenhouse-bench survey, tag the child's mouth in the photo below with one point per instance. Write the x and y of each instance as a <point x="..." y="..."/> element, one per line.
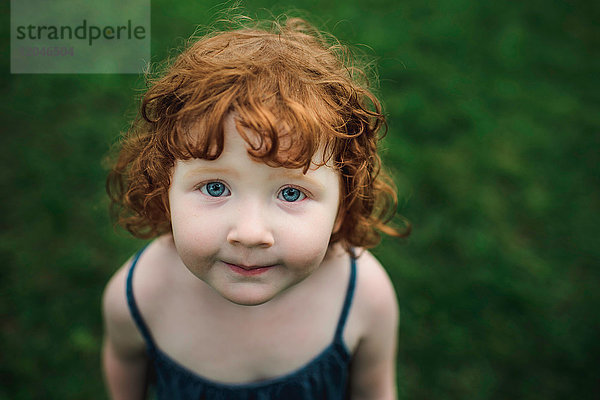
<point x="248" y="271"/>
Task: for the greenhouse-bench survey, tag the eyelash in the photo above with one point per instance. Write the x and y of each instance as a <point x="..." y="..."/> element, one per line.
<point x="203" y="188"/>
<point x="303" y="193"/>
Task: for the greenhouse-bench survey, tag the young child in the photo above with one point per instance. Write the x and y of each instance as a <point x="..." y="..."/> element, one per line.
<point x="254" y="166"/>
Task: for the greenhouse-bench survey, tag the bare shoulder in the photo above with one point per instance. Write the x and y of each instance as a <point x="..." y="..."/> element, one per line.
<point x="374" y="359"/>
<point x="120" y="328"/>
<point x="375" y="294"/>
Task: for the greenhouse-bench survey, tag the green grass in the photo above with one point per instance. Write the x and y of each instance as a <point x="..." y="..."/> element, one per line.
<point x="494" y="122"/>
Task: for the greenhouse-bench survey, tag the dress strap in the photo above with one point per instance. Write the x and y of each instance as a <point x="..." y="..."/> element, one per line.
<point x="133" y="308"/>
<point x="347" y="302"/>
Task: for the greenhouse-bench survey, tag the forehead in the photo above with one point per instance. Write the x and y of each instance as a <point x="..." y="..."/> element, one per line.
<point x="278" y="145"/>
<point x="236" y="160"/>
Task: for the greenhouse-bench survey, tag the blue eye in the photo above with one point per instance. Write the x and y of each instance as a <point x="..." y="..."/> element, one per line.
<point x="291" y="194"/>
<point x="215" y="189"/>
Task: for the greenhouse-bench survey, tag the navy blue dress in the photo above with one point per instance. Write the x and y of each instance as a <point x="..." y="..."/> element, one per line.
<point x="325" y="377"/>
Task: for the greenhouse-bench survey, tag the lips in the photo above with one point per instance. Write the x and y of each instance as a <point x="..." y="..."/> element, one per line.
<point x="248" y="270"/>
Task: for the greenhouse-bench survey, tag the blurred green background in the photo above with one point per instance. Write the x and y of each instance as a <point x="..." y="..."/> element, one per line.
<point x="493" y="139"/>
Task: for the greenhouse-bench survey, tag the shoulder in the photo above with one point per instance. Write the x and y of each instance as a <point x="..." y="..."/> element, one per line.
<point x="374" y="359"/>
<point x="375" y="295"/>
<point x="120" y="327"/>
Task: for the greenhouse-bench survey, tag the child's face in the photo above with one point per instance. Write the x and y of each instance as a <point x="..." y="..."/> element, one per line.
<point x="249" y="230"/>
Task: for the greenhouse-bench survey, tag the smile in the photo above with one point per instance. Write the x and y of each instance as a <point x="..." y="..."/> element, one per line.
<point x="248" y="271"/>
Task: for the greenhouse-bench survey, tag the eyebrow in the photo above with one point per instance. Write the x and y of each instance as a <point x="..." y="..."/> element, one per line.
<point x="210" y="171"/>
<point x="278" y="174"/>
<point x="291" y="174"/>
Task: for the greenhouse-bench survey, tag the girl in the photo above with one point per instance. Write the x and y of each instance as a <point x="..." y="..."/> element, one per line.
<point x="254" y="166"/>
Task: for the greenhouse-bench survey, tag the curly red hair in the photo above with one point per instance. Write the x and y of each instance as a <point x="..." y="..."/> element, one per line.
<point x="294" y="89"/>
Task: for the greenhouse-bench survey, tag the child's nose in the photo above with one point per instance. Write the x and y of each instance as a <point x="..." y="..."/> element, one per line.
<point x="251" y="228"/>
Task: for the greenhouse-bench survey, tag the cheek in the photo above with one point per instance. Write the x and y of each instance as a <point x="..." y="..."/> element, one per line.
<point x="196" y="237"/>
<point x="196" y="246"/>
<point x="307" y="243"/>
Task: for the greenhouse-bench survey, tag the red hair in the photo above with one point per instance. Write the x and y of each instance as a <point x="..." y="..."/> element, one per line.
<point x="294" y="89"/>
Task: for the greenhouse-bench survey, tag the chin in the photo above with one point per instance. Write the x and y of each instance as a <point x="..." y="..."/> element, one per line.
<point x="249" y="303"/>
<point x="249" y="300"/>
<point x="249" y="297"/>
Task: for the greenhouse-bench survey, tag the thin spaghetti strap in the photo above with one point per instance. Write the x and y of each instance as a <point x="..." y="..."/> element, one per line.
<point x="347" y="302"/>
<point x="133" y="308"/>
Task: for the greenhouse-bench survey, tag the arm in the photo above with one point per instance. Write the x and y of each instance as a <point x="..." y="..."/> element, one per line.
<point x="125" y="377"/>
<point x="123" y="354"/>
<point x="373" y="371"/>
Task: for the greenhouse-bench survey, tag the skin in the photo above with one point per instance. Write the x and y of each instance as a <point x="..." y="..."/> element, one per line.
<point x="246" y="286"/>
<point x="251" y="224"/>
